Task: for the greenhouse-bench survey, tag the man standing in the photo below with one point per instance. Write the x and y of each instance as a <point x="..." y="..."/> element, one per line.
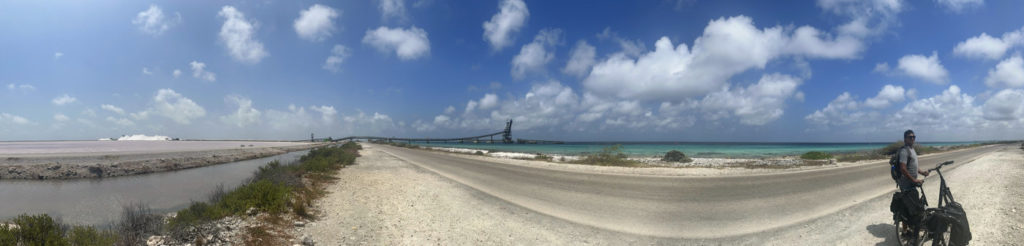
<point x="908" y="180"/>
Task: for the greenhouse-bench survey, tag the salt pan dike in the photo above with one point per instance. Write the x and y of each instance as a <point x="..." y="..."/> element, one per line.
<point x="96" y="159"/>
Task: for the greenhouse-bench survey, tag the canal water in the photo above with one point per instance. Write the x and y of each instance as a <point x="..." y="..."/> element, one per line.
<point x="99" y="201"/>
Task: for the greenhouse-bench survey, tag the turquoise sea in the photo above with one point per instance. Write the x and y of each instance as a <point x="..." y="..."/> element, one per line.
<point x="712" y="149"/>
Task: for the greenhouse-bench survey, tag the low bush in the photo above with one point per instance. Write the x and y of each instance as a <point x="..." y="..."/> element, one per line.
<point x="609" y="156"/>
<point x="90" y="236"/>
<point x="41" y="229"/>
<point x="676" y="156"/>
<point x="352" y="145"/>
<point x="38" y="230"/>
<point x="137" y="223"/>
<point x="8" y="235"/>
<point x="264" y="195"/>
<point x="816" y="155"/>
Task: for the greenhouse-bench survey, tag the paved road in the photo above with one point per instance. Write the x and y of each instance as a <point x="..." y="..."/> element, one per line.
<point x="676" y="207"/>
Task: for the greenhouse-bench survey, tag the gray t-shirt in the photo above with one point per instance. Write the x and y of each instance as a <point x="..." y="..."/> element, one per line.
<point x="909" y="156"/>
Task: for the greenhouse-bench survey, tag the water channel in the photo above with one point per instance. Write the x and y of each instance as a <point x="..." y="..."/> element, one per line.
<point x="100" y="201"/>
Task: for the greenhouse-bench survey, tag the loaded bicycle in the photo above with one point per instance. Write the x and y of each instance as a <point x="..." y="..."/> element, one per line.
<point x="945" y="224"/>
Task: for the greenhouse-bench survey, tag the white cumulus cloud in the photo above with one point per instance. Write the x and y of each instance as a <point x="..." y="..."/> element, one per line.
<point x="488" y="101"/>
<point x="1008" y="73"/>
<point x="533" y="57"/>
<point x="112" y="108"/>
<point x="199" y="71"/>
<point x="24" y="88"/>
<point x="950" y="110"/>
<point x="581" y="59"/>
<point x="1006" y="105"/>
<point x="338" y="55"/>
<point x="316" y="23"/>
<point x="501" y="29"/>
<point x="327" y="113"/>
<point x="757" y="104"/>
<point x="728" y="47"/>
<point x="245" y="114"/>
<point x="154" y="22"/>
<point x="988" y="47"/>
<point x="174" y="106"/>
<point x="60" y="117"/>
<point x="64" y="99"/>
<point x="176" y="73"/>
<point x="10" y="118"/>
<point x="928" y="68"/>
<point x="238" y="35"/>
<point x="408" y="44"/>
<point x="960" y="5"/>
<point x="392" y="9"/>
<point x="887" y="96"/>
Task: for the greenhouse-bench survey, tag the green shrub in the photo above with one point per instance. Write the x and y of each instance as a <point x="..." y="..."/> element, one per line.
<point x="676" y="156"/>
<point x="352" y="145"/>
<point x="263" y="195"/>
<point x="8" y="235"/>
<point x="90" y="236"/>
<point x="609" y="156"/>
<point x="43" y="230"/>
<point x="197" y="212"/>
<point x="816" y="155"/>
<point x="39" y="230"/>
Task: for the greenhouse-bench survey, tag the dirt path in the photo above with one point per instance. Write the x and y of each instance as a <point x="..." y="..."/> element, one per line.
<point x="385" y="200"/>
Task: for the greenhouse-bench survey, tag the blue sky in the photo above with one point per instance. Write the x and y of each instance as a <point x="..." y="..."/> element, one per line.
<point x="818" y="71"/>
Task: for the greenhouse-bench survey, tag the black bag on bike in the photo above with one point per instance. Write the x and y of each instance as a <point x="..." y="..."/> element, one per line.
<point x="961" y="233"/>
<point x="954" y="216"/>
<point x="896" y="206"/>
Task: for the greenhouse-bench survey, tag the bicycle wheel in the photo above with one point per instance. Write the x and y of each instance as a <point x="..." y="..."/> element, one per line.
<point x="905" y="234"/>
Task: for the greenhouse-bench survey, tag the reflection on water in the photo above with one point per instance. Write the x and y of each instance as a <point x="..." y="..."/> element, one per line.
<point x="99" y="201"/>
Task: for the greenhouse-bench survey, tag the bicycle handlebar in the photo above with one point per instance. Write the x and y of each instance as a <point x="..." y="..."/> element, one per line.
<point x="940" y="165"/>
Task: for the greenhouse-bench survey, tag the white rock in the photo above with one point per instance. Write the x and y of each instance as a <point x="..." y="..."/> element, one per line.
<point x="155" y="241"/>
<point x="307" y="241"/>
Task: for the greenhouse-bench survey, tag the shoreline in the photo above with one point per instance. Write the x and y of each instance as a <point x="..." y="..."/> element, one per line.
<point x="113" y="164"/>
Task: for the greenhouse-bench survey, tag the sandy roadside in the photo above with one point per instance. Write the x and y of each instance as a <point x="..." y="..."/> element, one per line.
<point x="133" y="161"/>
<point x="383" y="200"/>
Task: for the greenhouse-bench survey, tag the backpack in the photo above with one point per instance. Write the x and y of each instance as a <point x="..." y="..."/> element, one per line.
<point x="894" y="164"/>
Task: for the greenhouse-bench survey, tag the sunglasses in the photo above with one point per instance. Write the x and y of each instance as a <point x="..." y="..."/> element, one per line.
<point x="911" y="137"/>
